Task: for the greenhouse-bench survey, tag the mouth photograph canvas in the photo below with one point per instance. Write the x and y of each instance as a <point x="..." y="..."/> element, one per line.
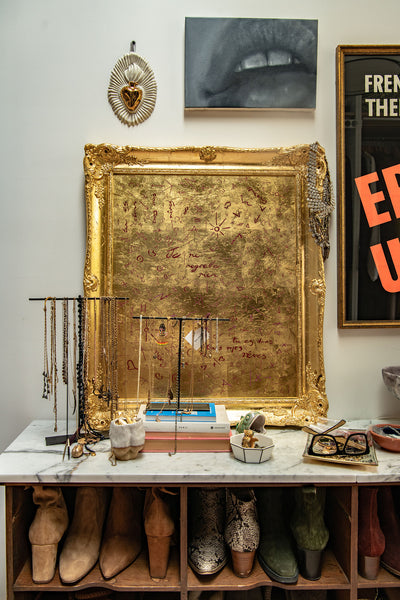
<point x="239" y="63"/>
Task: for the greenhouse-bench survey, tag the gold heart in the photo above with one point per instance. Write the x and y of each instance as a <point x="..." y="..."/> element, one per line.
<point x="131" y="95"/>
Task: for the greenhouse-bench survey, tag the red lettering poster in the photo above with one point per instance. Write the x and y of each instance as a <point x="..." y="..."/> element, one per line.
<point x="368" y="113"/>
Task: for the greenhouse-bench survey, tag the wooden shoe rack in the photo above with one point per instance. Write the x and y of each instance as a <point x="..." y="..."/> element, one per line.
<point x="180" y="472"/>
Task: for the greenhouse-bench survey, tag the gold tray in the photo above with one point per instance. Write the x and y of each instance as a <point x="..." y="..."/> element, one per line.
<point x="344" y="459"/>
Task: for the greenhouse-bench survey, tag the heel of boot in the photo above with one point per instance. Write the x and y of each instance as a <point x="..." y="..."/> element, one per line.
<point x="44" y="559"/>
<point x="158" y="547"/>
<point x="242" y="562"/>
<point x="368" y="566"/>
<point x="310" y="563"/>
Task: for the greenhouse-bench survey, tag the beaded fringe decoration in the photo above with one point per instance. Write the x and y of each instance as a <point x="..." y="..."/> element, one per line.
<point x="319" y="197"/>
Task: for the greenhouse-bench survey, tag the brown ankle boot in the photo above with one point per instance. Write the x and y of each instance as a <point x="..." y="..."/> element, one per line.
<point x="371" y="541"/>
<point x="159" y="527"/>
<point x="82" y="545"/>
<point x="122" y="540"/>
<point x="46" y="530"/>
<point x="390" y="523"/>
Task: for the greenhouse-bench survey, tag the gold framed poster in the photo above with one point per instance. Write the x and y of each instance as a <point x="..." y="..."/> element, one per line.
<point x="234" y="241"/>
<point x="368" y="167"/>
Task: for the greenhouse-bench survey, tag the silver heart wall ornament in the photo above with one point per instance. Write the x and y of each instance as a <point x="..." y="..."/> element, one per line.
<point x="132" y="90"/>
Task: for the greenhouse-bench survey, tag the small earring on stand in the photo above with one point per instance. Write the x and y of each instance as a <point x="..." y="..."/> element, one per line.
<point x="161" y="337"/>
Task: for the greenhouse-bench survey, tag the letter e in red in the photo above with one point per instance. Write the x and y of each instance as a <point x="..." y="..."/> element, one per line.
<point x="369" y="199"/>
<point x="393" y="186"/>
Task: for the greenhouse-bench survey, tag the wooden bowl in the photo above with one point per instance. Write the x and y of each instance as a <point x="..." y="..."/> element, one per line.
<point x="381" y="435"/>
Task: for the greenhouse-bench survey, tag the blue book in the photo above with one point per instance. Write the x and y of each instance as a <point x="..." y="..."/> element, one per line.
<point x="182" y="414"/>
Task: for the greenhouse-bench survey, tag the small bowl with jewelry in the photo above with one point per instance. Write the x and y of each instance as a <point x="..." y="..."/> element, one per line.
<point x="387" y="436"/>
<point x="251" y="447"/>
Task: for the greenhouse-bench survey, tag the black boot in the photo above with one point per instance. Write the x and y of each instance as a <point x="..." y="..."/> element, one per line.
<point x="309" y="529"/>
<point x="275" y="552"/>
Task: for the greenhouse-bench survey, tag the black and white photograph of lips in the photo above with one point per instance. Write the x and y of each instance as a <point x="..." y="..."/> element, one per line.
<point x="250" y="63"/>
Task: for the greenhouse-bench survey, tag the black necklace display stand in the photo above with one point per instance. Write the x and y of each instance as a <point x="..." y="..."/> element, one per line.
<point x="67" y="438"/>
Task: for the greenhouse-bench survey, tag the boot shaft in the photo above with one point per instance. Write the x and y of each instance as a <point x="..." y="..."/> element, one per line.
<point x="307" y="520"/>
<point x="51" y="518"/>
<point x="125" y="513"/>
<point x="157" y="515"/>
<point x="242" y="530"/>
<point x="371" y="541"/>
<point x="272" y="511"/>
<point x="207" y="509"/>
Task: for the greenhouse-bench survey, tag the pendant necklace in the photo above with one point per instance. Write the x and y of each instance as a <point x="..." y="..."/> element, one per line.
<point x="114" y="357"/>
<point x="139" y="362"/>
<point x="152" y="358"/>
<point x="65" y="342"/>
<point x="192" y="374"/>
<point x="170" y="393"/>
<point x="53" y="358"/>
<point x="46" y="376"/>
<point x="74" y="355"/>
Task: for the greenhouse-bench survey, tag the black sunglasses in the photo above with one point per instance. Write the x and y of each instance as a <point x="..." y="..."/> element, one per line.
<point x="322" y="444"/>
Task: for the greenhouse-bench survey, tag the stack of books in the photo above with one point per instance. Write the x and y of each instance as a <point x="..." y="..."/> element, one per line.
<point x="204" y="429"/>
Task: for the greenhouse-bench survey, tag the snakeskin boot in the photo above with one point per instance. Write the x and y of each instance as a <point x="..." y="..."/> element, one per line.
<point x="242" y="531"/>
<point x="207" y="552"/>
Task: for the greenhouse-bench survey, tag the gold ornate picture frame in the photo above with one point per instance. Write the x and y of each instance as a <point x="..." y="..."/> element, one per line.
<point x="233" y="240"/>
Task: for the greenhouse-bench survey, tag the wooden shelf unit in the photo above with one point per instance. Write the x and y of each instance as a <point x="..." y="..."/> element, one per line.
<point x="339" y="573"/>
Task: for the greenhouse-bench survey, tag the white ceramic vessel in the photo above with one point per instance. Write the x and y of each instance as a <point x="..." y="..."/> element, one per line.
<point x="258" y="454"/>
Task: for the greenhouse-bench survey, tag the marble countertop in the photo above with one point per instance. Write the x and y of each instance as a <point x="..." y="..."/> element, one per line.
<point x="28" y="460"/>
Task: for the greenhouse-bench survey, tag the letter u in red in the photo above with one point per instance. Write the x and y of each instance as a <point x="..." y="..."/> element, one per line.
<point x="388" y="283"/>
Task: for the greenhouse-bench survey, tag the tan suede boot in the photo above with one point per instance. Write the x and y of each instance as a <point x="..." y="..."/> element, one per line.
<point x="122" y="540"/>
<point x="46" y="530"/>
<point x="82" y="544"/>
<point x="159" y="527"/>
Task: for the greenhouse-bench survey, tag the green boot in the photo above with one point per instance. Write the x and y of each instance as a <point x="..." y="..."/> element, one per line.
<point x="275" y="552"/>
<point x="309" y="529"/>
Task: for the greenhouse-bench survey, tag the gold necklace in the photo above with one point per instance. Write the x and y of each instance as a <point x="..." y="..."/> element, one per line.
<point x="114" y="357"/>
<point x="65" y="342"/>
<point x="139" y="361"/>
<point x="53" y="358"/>
<point x="46" y="375"/>
<point x="169" y="393"/>
<point x="74" y="356"/>
<point x="192" y="374"/>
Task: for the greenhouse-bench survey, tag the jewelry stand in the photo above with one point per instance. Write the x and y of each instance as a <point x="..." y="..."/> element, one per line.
<point x="79" y="376"/>
<point x="179" y="410"/>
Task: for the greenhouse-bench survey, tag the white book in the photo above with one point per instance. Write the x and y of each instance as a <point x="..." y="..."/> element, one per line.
<point x="220" y="425"/>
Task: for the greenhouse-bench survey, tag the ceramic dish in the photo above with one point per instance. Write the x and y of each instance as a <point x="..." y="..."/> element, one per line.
<point x="345" y="459"/>
<point x="385" y="436"/>
<point x="252" y="420"/>
<point x="259" y="454"/>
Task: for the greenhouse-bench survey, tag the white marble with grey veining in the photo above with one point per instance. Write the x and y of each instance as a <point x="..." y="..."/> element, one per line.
<point x="28" y="460"/>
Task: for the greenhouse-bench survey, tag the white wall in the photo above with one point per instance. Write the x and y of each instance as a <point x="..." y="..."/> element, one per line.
<point x="55" y="63"/>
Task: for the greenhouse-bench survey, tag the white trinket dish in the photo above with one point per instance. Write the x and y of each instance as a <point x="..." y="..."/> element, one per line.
<point x="260" y="453"/>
